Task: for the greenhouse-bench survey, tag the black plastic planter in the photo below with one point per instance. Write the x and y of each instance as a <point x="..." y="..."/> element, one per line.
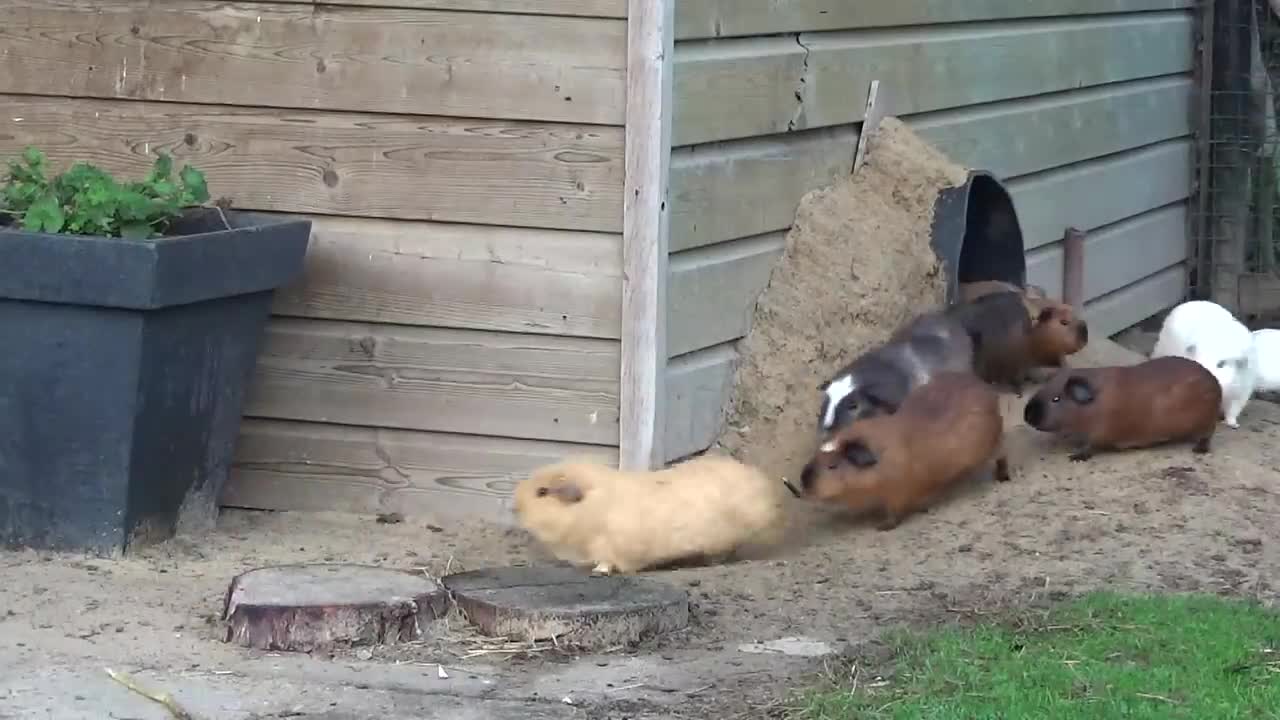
<point x="123" y="373"/>
<point x="976" y="233"/>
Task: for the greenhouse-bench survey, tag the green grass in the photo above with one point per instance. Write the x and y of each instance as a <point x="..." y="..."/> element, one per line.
<point x="1102" y="656"/>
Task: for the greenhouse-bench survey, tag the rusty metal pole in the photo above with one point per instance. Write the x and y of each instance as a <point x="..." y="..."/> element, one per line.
<point x="1073" y="268"/>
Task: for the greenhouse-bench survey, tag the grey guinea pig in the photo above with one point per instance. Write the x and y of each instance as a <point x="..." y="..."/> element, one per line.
<point x="877" y="381"/>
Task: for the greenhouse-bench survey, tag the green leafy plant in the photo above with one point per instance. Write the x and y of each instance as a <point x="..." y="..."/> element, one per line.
<point x="86" y="200"/>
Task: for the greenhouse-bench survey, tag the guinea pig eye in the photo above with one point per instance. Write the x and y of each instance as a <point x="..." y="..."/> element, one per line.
<point x="1065" y="322"/>
<point x="542" y="492"/>
<point x="1056" y="398"/>
<point x="1222" y="363"/>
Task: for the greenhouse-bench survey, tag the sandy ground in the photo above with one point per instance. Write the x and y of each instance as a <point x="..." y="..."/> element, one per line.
<point x="1151" y="519"/>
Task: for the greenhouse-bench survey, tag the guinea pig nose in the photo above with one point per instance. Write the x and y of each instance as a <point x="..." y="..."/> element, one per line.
<point x="806" y="475"/>
<point x="1031" y="414"/>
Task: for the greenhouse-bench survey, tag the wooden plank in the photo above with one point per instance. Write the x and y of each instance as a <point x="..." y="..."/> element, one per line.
<point x="284" y="465"/>
<point x="522" y="174"/>
<point x="713" y="290"/>
<point x="427" y="62"/>
<point x="729" y="18"/>
<point x="759" y="78"/>
<point x="749" y="187"/>
<point x="930" y="69"/>
<point x="646" y="232"/>
<point x="1119" y="254"/>
<point x="1131" y="305"/>
<point x="1101" y="191"/>
<point x="698" y="386"/>
<point x="582" y="8"/>
<point x="465" y="381"/>
<point x="461" y="276"/>
<point x="736" y="189"/>
<point x="1023" y="136"/>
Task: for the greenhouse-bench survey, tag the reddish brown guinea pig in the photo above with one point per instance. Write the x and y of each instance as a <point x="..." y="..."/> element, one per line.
<point x="945" y="430"/>
<point x="1010" y="341"/>
<point x="1167" y="399"/>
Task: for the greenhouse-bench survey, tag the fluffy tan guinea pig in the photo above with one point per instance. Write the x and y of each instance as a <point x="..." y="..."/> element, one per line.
<point x="590" y="514"/>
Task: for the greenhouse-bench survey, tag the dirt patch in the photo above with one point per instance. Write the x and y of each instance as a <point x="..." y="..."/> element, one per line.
<point x="1159" y="519"/>
<point x="857" y="265"/>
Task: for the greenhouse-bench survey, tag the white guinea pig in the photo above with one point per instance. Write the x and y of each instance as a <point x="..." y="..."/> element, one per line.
<point x="1266" y="344"/>
<point x="1209" y="334"/>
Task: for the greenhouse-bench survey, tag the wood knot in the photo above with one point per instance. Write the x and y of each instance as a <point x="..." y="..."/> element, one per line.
<point x="330" y="177"/>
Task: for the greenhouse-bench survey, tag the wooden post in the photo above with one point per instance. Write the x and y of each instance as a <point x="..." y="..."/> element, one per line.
<point x="871" y="118"/>
<point x="645" y="224"/>
<point x="1073" y="268"/>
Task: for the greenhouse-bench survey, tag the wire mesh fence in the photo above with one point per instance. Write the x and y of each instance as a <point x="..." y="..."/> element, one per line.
<point x="1234" y="216"/>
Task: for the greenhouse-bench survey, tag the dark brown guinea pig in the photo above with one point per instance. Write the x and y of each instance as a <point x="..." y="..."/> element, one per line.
<point x="944" y="431"/>
<point x="1009" y="341"/>
<point x="1167" y="399"/>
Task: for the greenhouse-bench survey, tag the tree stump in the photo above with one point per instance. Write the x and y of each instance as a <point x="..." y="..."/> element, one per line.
<point x="573" y="608"/>
<point x="309" y="607"/>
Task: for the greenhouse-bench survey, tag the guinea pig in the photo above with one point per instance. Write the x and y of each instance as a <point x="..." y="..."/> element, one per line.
<point x="945" y="430"/>
<point x="1209" y="334"/>
<point x="590" y="514"/>
<point x="1163" y="400"/>
<point x="877" y="381"/>
<point x="1032" y="294"/>
<point x="1009" y="342"/>
<point x="1266" y="345"/>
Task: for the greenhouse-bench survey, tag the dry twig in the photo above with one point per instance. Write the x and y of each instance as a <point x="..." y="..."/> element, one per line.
<point x="162" y="698"/>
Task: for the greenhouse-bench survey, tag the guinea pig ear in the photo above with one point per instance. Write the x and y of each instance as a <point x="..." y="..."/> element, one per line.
<point x="567" y="493"/>
<point x="1191" y="350"/>
<point x="859" y="455"/>
<point x="1078" y="389"/>
<point x="1046" y="314"/>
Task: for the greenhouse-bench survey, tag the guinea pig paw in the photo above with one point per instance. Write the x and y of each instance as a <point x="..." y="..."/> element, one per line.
<point x="1080" y="456"/>
<point x="1233" y="424"/>
<point x="602" y="569"/>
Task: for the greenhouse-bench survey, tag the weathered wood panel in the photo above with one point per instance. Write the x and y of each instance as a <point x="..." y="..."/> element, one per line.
<point x="713" y="291"/>
<point x="772" y="88"/>
<point x="465" y="381"/>
<point x="1019" y="137"/>
<point x="488" y="172"/>
<point x="284" y="465"/>
<point x="1137" y="302"/>
<point x="582" y="8"/>
<point x="1101" y="191"/>
<point x="750" y="187"/>
<point x="1119" y="254"/>
<point x="464" y="64"/>
<point x="461" y="276"/>
<point x="646" y="232"/>
<point x="697" y="385"/>
<point x="728" y="18"/>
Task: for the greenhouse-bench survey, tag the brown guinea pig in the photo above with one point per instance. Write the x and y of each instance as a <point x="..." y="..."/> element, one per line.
<point x="1056" y="332"/>
<point x="944" y="431"/>
<point x="1009" y="342"/>
<point x="591" y="514"/>
<point x="1031" y="293"/>
<point x="1167" y="399"/>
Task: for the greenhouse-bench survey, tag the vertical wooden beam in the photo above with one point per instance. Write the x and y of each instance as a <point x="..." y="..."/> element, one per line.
<point x="645" y="223"/>
<point x="1073" y="268"/>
